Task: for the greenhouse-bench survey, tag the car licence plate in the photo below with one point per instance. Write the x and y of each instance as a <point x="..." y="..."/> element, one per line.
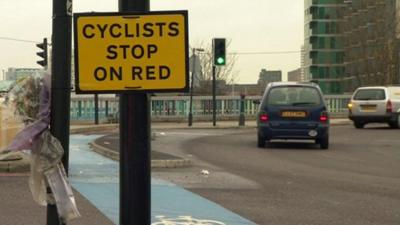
<point x="368" y="108"/>
<point x="296" y="114"/>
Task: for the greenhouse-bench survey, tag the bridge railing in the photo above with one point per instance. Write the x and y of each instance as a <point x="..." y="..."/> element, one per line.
<point x="176" y="108"/>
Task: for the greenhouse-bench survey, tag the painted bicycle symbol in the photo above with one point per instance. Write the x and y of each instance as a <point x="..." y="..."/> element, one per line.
<point x="185" y="220"/>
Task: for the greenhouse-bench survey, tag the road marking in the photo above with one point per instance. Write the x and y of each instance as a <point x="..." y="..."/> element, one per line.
<point x="182" y="133"/>
<point x="96" y="178"/>
<point x="185" y="220"/>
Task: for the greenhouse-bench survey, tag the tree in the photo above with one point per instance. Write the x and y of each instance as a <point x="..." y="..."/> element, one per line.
<point x="372" y="44"/>
<point x="224" y="74"/>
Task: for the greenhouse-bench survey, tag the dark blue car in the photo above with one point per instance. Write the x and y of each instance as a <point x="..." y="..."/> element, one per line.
<point x="293" y="110"/>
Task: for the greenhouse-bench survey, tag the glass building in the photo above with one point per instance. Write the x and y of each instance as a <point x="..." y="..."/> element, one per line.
<point x="323" y="44"/>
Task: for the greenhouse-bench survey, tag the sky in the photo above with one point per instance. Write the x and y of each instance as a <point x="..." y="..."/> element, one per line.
<point x="251" y="26"/>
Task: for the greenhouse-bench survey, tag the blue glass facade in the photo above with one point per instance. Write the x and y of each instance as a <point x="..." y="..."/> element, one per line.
<point x="324" y="52"/>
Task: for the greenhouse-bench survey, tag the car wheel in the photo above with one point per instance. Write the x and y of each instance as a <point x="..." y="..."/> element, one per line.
<point x="324" y="142"/>
<point x="398" y="120"/>
<point x="358" y="125"/>
<point x="260" y="141"/>
<point x="396" y="123"/>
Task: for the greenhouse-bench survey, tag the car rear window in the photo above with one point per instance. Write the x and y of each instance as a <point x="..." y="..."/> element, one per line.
<point x="369" y="94"/>
<point x="293" y="96"/>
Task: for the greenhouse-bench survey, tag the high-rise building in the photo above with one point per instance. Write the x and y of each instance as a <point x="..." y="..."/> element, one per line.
<point x="302" y="63"/>
<point x="294" y="75"/>
<point x="268" y="76"/>
<point x="323" y="44"/>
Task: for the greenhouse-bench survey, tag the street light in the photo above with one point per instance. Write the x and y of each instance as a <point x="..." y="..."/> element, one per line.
<point x="190" y="119"/>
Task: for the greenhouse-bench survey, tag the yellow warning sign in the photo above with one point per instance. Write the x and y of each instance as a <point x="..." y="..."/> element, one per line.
<point x="131" y="52"/>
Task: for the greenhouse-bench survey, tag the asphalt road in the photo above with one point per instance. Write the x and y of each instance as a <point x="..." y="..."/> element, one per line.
<point x="355" y="182"/>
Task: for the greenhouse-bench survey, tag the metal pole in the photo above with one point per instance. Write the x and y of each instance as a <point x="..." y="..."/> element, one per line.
<point x="79" y="108"/>
<point x="96" y="109"/>
<point x="190" y="122"/>
<point x="241" y="115"/>
<point x="135" y="200"/>
<point x="61" y="85"/>
<point x="214" y="90"/>
<point x="106" y="110"/>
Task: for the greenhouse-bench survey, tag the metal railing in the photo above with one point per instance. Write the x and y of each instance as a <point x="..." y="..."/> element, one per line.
<point x="176" y="108"/>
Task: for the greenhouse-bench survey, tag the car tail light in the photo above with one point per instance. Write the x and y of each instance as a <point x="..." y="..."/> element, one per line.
<point x="350" y="106"/>
<point x="323" y="117"/>
<point x="389" y="106"/>
<point x="264" y="117"/>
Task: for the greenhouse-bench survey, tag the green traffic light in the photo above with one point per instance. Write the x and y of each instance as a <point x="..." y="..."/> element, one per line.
<point x="220" y="60"/>
<point x="219" y="52"/>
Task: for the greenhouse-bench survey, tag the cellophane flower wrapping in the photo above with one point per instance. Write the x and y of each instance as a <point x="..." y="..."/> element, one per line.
<point x="26" y="112"/>
<point x="9" y="125"/>
<point x="24" y="97"/>
<point x="18" y="108"/>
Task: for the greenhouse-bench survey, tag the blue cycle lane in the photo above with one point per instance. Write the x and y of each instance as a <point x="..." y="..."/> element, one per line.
<point x="97" y="178"/>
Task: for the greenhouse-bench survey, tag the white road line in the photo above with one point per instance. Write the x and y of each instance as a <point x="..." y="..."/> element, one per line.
<point x="181" y="133"/>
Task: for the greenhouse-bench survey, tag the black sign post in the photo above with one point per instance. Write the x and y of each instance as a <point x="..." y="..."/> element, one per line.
<point x="60" y="86"/>
<point x="130" y="79"/>
<point x="134" y="128"/>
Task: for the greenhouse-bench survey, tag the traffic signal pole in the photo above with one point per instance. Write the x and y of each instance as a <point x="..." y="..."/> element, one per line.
<point x="219" y="59"/>
<point x="134" y="124"/>
<point x="214" y="100"/>
<point x="60" y="85"/>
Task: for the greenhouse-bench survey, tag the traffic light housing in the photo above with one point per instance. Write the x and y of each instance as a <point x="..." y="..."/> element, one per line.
<point x="43" y="53"/>
<point x="219" y="51"/>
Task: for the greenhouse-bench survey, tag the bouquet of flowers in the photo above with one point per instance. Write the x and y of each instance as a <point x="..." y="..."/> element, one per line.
<point x="27" y="107"/>
<point x="29" y="100"/>
<point x="24" y="98"/>
<point x="17" y="109"/>
<point x="9" y="124"/>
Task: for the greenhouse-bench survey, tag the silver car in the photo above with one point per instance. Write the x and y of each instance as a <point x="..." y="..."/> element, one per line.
<point x="375" y="105"/>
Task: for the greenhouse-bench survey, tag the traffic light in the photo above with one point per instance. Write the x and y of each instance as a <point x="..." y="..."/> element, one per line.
<point x="219" y="51"/>
<point x="42" y="53"/>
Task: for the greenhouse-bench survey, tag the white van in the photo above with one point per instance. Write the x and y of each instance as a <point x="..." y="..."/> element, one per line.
<point x="375" y="105"/>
